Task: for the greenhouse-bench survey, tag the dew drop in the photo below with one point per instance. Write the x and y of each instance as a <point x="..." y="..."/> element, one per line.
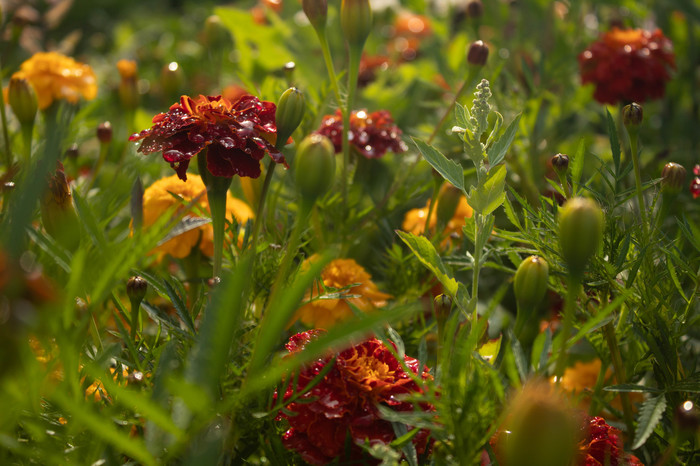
<point x="227" y="142"/>
<point x="173" y="155"/>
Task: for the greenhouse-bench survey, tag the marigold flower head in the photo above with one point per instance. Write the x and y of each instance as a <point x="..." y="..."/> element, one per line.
<point x="372" y="134"/>
<point x="415" y="219"/>
<point x="602" y="445"/>
<point x="127" y="69"/>
<point x="236" y="134"/>
<point x="345" y="402"/>
<point x="158" y="198"/>
<point x="55" y="76"/>
<point x="339" y="274"/>
<point x="628" y="65"/>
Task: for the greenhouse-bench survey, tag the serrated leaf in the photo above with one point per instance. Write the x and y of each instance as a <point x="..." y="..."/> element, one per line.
<point x="649" y="416"/>
<point x="489" y="196"/>
<point x="497" y="151"/>
<point x="461" y="115"/>
<point x="449" y="169"/>
<point x="614" y="141"/>
<point x="426" y="253"/>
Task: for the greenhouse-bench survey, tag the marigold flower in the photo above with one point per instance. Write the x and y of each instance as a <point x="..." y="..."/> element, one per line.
<point x="345" y="402"/>
<point x="236" y="134"/>
<point x="414" y="220"/>
<point x="339" y="274"/>
<point x="127" y="69"/>
<point x="628" y="65"/>
<point x="371" y="134"/>
<point x="55" y="76"/>
<point x="601" y="445"/>
<point x="158" y="198"/>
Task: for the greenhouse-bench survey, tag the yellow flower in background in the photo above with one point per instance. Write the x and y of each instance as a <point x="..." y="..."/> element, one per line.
<point x="157" y="199"/>
<point x="339" y="274"/>
<point x="127" y="69"/>
<point x="55" y="76"/>
<point x="414" y="220"/>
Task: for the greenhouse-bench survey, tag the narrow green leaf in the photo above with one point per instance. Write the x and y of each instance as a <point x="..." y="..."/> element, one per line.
<point x="498" y="150"/>
<point x="429" y="257"/>
<point x="179" y="305"/>
<point x="491" y="194"/>
<point x="510" y="213"/>
<point x="449" y="169"/>
<point x="674" y="277"/>
<point x="649" y="416"/>
<point x="631" y="388"/>
<point x="89" y="221"/>
<point x="614" y="141"/>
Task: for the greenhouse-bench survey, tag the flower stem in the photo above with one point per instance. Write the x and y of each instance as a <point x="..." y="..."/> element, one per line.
<point x="568" y="324"/>
<point x="437" y="182"/>
<point x="355" y="53"/>
<point x="259" y="215"/>
<point x="217" y="188"/>
<point x="27" y="130"/>
<point x="329" y="66"/>
<point x="609" y="333"/>
<point x="104" y="148"/>
<point x="634" y="139"/>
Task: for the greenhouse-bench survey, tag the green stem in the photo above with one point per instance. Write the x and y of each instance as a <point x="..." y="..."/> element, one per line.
<point x="259" y="215"/>
<point x="27" y="130"/>
<point x="104" y="149"/>
<point x="620" y="376"/>
<point x="477" y="266"/>
<point x="634" y="139"/>
<point x="568" y="324"/>
<point x="565" y="185"/>
<point x="329" y="66"/>
<point x="217" y="187"/>
<point x="5" y="133"/>
<point x="437" y="182"/>
<point x="290" y="253"/>
<point x="135" y="321"/>
<point x="355" y="54"/>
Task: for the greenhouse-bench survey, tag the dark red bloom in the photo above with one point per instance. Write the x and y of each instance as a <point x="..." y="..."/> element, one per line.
<point x="237" y="135"/>
<point x="371" y="134"/>
<point x="628" y="65"/>
<point x="344" y="404"/>
<point x="601" y="445"/>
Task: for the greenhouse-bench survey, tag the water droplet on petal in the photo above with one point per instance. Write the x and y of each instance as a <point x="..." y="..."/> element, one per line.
<point x="228" y="143"/>
<point x="173" y="155"/>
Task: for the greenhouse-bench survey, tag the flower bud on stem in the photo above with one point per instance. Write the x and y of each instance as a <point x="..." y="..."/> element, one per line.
<point x="23" y="101"/>
<point x="136" y="289"/>
<point x="632" y="119"/>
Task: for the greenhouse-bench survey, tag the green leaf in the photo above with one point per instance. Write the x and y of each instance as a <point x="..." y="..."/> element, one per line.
<point x="649" y="416"/>
<point x="461" y="115"/>
<point x="497" y="151"/>
<point x="449" y="169"/>
<point x="631" y="388"/>
<point x="614" y="141"/>
<point x="490" y="195"/>
<point x="426" y="253"/>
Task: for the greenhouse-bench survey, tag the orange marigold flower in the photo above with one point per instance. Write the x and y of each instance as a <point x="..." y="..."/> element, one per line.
<point x="372" y="134"/>
<point x="414" y="220"/>
<point x="158" y="199"/>
<point x="340" y="274"/>
<point x="628" y="65"/>
<point x="236" y="134"/>
<point x="127" y="69"/>
<point x="344" y="404"/>
<point x="56" y="76"/>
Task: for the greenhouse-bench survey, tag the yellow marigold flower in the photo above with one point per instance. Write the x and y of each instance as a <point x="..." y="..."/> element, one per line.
<point x="414" y="220"/>
<point x="97" y="391"/>
<point x="157" y="199"/>
<point x="339" y="274"/>
<point x="56" y="76"/>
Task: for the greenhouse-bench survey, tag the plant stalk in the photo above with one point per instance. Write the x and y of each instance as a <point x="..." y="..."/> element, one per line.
<point x="574" y="282"/>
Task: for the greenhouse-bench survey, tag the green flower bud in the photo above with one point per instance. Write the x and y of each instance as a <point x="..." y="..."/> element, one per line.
<point x="314" y="166"/>
<point x="632" y="115"/>
<point x="22" y="100"/>
<point x="443" y="306"/>
<point x="580" y="232"/>
<point x="57" y="212"/>
<point x="560" y="163"/>
<point x="290" y="112"/>
<point x="672" y="178"/>
<point x="215" y="34"/>
<point x="478" y="53"/>
<point x="530" y="282"/>
<point x="317" y="12"/>
<point x="447" y="203"/>
<point x="356" y="21"/>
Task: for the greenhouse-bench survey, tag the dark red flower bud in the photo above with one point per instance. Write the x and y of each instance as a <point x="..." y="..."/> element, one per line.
<point x="72" y="151"/>
<point x="104" y="132"/>
<point x="136" y="288"/>
<point x="478" y="53"/>
<point x="475" y="9"/>
<point x="560" y="163"/>
<point x="317" y="12"/>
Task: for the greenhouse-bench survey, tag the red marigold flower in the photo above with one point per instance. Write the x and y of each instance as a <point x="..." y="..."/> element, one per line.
<point x="601" y="445"/>
<point x="237" y="135"/>
<point x="372" y="134"/>
<point x="345" y="402"/>
<point x="628" y="65"/>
